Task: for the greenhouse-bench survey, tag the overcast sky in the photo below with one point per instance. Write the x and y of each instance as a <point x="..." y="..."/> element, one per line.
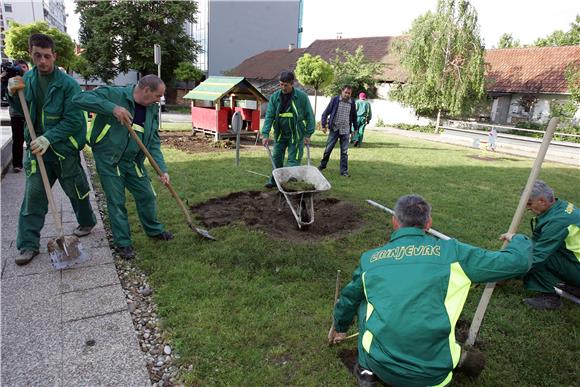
<point x="323" y="19"/>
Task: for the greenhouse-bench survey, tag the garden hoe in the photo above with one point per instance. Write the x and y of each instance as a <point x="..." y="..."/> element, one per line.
<point x="64" y="251"/>
<point x="200" y="231"/>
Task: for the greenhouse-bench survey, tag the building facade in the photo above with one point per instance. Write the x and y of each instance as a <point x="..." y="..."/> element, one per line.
<point x="230" y="31"/>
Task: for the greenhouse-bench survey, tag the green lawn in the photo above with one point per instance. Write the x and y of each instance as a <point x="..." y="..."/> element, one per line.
<point x="249" y="310"/>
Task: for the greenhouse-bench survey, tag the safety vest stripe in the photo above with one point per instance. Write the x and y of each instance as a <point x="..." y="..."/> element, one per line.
<point x="138" y="170"/>
<point x="74" y="142"/>
<point x="90" y="126"/>
<point x="56" y="153"/>
<point x="370" y="310"/>
<point x="572" y="241"/>
<point x="103" y="133"/>
<point x="457" y="290"/>
<point x="138" y="128"/>
<point x="81" y="197"/>
<point x="367" y="340"/>
<point x="286" y="115"/>
<point x="446" y="381"/>
<point x="118" y="171"/>
<point x="153" y="189"/>
<point x="32" y="167"/>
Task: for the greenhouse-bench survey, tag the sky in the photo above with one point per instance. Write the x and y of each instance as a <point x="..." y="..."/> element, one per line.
<point x="322" y="19"/>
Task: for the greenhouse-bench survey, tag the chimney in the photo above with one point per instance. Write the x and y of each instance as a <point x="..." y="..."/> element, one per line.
<point x="290" y="47"/>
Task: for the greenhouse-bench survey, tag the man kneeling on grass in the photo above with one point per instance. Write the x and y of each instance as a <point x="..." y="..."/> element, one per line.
<point x="409" y="294"/>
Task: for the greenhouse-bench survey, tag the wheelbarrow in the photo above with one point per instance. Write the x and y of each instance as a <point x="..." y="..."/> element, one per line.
<point x="301" y="203"/>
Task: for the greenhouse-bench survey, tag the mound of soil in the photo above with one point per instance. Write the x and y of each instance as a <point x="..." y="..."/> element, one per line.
<point x="199" y="143"/>
<point x="269" y="212"/>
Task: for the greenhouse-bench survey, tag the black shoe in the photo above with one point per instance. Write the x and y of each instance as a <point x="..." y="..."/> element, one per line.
<point x="545" y="301"/>
<point x="269" y="185"/>
<point x="321" y="168"/>
<point x="126" y="252"/>
<point x="345" y="174"/>
<point x="164" y="236"/>
<point x="364" y="377"/>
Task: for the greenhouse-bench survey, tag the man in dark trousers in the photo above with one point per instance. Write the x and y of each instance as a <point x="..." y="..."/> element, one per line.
<point x="339" y="116"/>
<point x="17" y="122"/>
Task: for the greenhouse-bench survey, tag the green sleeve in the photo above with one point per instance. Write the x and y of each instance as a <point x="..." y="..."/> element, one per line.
<point x="370" y="112"/>
<point x="72" y="120"/>
<point x="96" y="101"/>
<point x="350" y="298"/>
<point x="482" y="265"/>
<point x="155" y="145"/>
<point x="269" y="119"/>
<point x="309" y="116"/>
<point x="550" y="239"/>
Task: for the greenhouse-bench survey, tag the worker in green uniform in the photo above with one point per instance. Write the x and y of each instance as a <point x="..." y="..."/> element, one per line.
<point x="556" y="236"/>
<point x="290" y="114"/>
<point x="60" y="129"/>
<point x="364" y="115"/>
<point x="409" y="294"/>
<point x="118" y="158"/>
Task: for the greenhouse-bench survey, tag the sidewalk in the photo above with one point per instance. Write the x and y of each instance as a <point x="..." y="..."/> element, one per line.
<point x="63" y="327"/>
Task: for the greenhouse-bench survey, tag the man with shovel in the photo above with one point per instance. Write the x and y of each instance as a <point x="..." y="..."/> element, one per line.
<point x="60" y="128"/>
<point x="118" y="158"/>
<point x="409" y="294"/>
<point x="290" y="115"/>
<point x="556" y="236"/>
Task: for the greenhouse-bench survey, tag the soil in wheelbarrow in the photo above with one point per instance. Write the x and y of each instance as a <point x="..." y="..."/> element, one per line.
<point x="333" y="217"/>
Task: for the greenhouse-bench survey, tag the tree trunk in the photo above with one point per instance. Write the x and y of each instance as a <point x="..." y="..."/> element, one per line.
<point x="315" y="100"/>
<point x="438" y="121"/>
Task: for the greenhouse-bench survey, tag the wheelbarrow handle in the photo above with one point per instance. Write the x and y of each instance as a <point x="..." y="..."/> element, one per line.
<point x="267" y="145"/>
<point x="308" y="153"/>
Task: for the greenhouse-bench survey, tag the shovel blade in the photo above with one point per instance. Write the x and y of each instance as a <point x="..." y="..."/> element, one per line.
<point x="66" y="252"/>
<point x="203" y="233"/>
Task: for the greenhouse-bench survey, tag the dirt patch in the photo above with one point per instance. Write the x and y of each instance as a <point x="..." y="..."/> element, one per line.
<point x="257" y="209"/>
<point x="185" y="141"/>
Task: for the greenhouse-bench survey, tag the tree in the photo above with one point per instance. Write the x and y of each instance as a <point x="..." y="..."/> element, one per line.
<point x="561" y="38"/>
<point x="315" y="72"/>
<point x="572" y="74"/>
<point x="83" y="67"/>
<point x="17" y="41"/>
<point x="119" y="35"/>
<point x="187" y="72"/>
<point x="508" y="41"/>
<point x="355" y="70"/>
<point x="444" y="57"/>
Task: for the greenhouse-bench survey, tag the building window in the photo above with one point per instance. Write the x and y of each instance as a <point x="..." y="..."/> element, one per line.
<point x="7" y="7"/>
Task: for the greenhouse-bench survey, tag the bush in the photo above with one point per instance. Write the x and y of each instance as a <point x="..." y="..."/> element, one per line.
<point x="380" y="123"/>
<point x="416" y="128"/>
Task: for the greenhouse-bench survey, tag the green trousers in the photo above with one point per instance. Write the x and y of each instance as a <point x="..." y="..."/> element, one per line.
<point x="130" y="176"/>
<point x="543" y="276"/>
<point x="73" y="181"/>
<point x="357" y="138"/>
<point x="295" y="152"/>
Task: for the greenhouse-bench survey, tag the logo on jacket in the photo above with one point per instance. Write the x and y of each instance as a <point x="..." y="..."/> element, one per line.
<point x="398" y="253"/>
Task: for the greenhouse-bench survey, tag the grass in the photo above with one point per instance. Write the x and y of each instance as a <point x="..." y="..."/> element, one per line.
<point x="175" y="126"/>
<point x="250" y="310"/>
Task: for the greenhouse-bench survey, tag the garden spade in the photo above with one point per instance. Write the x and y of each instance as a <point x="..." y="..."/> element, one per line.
<point x="64" y="251"/>
<point x="152" y="161"/>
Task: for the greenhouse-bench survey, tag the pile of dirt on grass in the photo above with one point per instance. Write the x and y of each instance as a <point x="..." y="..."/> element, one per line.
<point x="269" y="212"/>
<point x="199" y="143"/>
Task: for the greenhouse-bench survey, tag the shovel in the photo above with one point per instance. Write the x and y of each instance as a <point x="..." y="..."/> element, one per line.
<point x="152" y="161"/>
<point x="64" y="251"/>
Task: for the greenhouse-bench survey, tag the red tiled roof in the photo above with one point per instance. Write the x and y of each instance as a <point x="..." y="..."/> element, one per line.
<point x="530" y="69"/>
<point x="268" y="64"/>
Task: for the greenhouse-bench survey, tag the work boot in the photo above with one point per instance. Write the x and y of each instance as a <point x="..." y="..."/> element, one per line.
<point x="548" y="301"/>
<point x="471" y="362"/>
<point x="25" y="257"/>
<point x="321" y="168"/>
<point x="364" y="377"/>
<point x="269" y="185"/>
<point x="82" y="231"/>
<point x="126" y="252"/>
<point x="164" y="236"/>
<point x="344" y="174"/>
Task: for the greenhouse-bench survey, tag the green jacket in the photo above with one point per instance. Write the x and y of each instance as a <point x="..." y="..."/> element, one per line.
<point x="556" y="232"/>
<point x="65" y="125"/>
<point x="409" y="294"/>
<point x="108" y="137"/>
<point x="363" y="110"/>
<point x="301" y="111"/>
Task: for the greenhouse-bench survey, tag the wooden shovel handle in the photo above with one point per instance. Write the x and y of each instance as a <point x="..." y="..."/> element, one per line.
<point x="487" y="292"/>
<point x="41" y="165"/>
<point x="160" y="173"/>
